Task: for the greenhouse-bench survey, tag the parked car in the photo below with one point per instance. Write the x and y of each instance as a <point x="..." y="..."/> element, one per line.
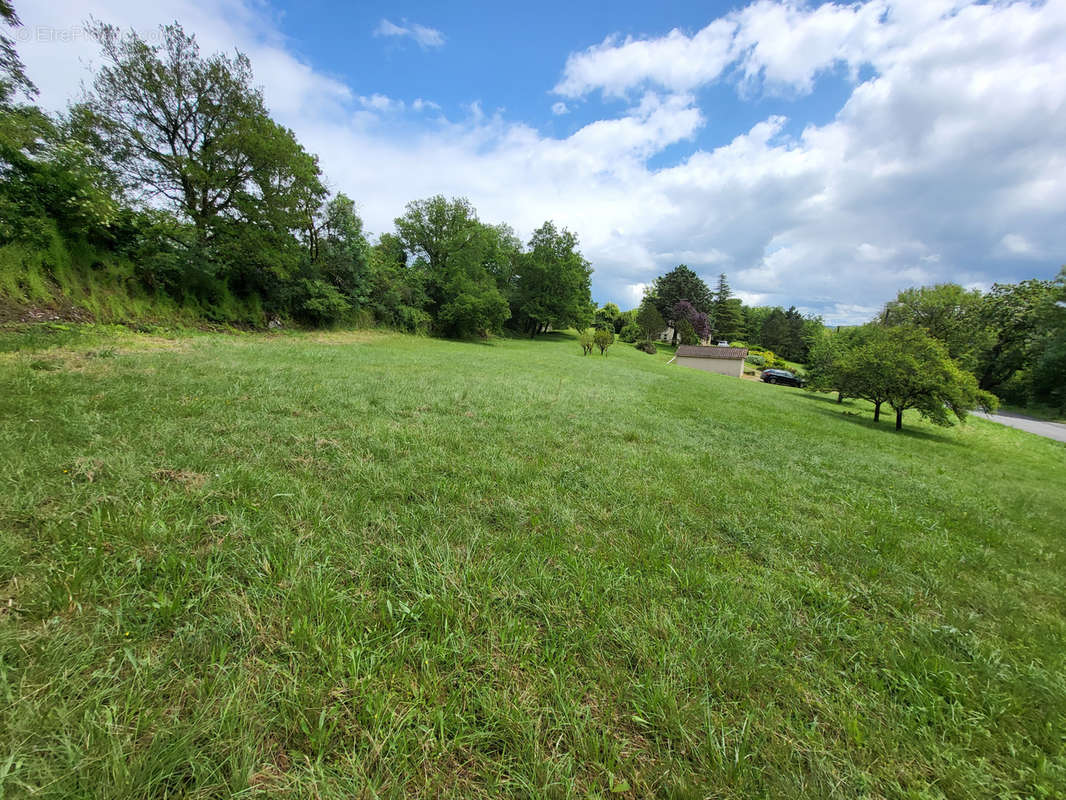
<point x="782" y="376"/>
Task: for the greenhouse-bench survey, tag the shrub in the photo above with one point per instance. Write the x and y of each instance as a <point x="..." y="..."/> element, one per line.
<point x="586" y="340"/>
<point x="319" y="303"/>
<point x="648" y="347"/>
<point x="756" y="360"/>
<point x="630" y="333"/>
<point x="603" y="340"/>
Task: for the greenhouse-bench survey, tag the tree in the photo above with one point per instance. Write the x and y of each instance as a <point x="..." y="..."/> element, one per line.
<point x="586" y="340"/>
<point x="607" y="316"/>
<point x="603" y="339"/>
<point x="341" y="254"/>
<point x="681" y="283"/>
<point x="794" y="348"/>
<point x="729" y="321"/>
<point x="553" y="287"/>
<point x="13" y="78"/>
<point x="685" y="333"/>
<point x="178" y="127"/>
<point x="1048" y="381"/>
<point x="775" y="334"/>
<point x="1015" y="316"/>
<point x="725" y="314"/>
<point x="649" y="320"/>
<point x="908" y="369"/>
<point x="948" y="313"/>
<point x="455" y="250"/>
<point x="693" y="323"/>
<point x="396" y="294"/>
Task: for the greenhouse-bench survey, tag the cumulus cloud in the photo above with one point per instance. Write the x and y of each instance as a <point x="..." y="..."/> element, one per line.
<point x="425" y="37"/>
<point x="944" y="163"/>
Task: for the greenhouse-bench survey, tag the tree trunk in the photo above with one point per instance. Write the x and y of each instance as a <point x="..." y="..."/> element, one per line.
<point x="877" y="412"/>
<point x="899" y="419"/>
<point x="840" y="397"/>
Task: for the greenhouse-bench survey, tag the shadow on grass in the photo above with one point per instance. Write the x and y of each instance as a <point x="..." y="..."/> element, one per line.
<point x="887" y="425"/>
<point x="821" y="397"/>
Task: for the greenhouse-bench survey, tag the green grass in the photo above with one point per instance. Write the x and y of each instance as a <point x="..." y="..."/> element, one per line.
<point x="369" y="565"/>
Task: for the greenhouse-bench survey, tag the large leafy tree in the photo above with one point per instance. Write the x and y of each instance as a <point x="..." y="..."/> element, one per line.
<point x="907" y="368"/>
<point x="948" y="313"/>
<point x="455" y="252"/>
<point x="180" y="128"/>
<point x="13" y="79"/>
<point x="1016" y="316"/>
<point x="553" y="286"/>
<point x="342" y="253"/>
<point x="680" y="283"/>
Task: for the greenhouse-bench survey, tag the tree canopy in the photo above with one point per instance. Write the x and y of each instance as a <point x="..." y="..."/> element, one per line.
<point x="681" y="283"/>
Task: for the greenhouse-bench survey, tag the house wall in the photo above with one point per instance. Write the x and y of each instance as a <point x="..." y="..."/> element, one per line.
<point x="723" y="366"/>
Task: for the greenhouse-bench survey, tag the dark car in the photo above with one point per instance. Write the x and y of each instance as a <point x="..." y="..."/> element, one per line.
<point x="781" y="376"/>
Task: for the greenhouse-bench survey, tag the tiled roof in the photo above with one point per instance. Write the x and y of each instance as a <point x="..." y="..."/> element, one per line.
<point x="691" y="351"/>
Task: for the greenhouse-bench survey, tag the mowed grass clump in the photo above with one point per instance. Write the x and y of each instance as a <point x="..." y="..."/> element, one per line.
<point x="369" y="565"/>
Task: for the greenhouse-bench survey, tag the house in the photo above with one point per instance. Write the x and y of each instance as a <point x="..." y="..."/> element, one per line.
<point x="723" y="360"/>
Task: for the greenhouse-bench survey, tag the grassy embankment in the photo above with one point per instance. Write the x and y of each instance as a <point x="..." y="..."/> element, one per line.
<point x="365" y="565"/>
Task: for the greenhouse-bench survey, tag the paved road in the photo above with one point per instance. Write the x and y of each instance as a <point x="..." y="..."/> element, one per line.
<point x="1052" y="430"/>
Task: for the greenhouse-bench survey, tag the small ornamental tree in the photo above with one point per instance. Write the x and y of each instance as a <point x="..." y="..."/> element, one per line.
<point x="603" y="339"/>
<point x="685" y="312"/>
<point x="586" y="341"/>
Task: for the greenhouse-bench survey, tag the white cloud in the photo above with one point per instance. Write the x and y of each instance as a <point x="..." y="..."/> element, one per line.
<point x="426" y="37"/>
<point x="946" y="163"/>
<point x="424" y="105"/>
<point x="380" y="102"/>
<point x="1016" y="244"/>
<point x="676" y="62"/>
<point x="560" y="108"/>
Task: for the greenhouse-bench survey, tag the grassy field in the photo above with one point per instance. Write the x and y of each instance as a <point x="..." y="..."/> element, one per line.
<point x="369" y="565"/>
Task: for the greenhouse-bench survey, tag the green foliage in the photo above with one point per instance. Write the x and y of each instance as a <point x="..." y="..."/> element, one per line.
<point x="649" y="320"/>
<point x="319" y="303"/>
<point x="603" y="339"/>
<point x="726" y="313"/>
<point x="681" y="283"/>
<point x="647" y="347"/>
<point x="899" y="365"/>
<point x="455" y="252"/>
<point x="631" y="332"/>
<point x="586" y="340"/>
<point x="686" y="334"/>
<point x="608" y="316"/>
<point x="947" y="312"/>
<point x="553" y="287"/>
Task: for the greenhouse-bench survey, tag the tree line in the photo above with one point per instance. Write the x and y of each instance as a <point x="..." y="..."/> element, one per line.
<point x="171" y="182"/>
<point x="944" y="349"/>
<point x="682" y="301"/>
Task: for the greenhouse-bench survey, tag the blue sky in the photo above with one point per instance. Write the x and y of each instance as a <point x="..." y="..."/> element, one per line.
<point x="508" y="57"/>
<point x="822" y="155"/>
